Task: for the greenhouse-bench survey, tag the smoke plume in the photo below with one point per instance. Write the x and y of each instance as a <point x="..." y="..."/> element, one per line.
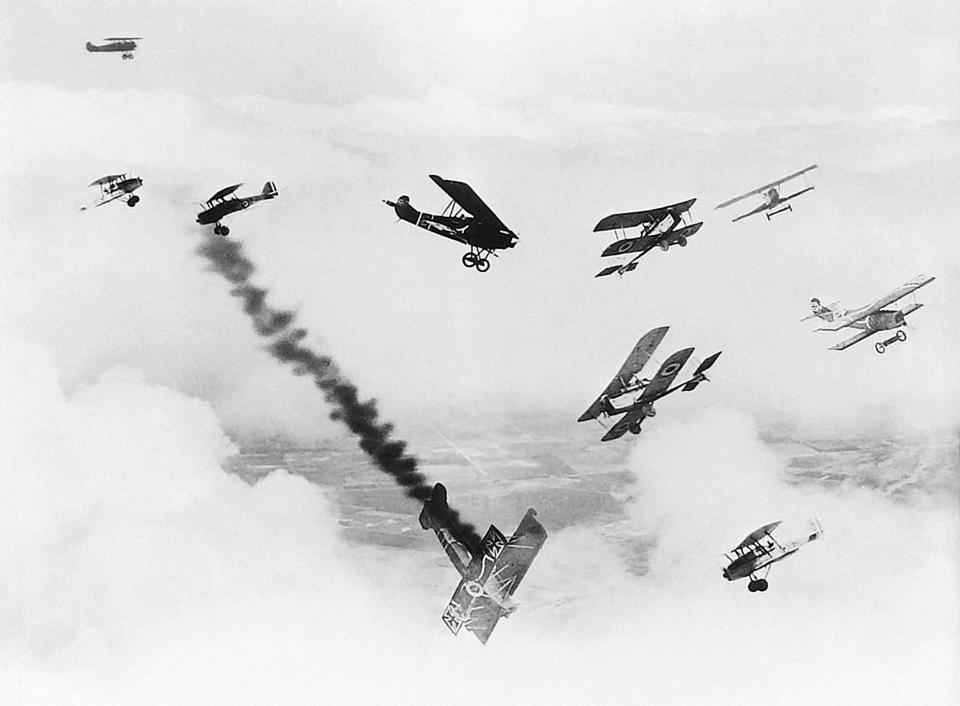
<point x="226" y="257"/>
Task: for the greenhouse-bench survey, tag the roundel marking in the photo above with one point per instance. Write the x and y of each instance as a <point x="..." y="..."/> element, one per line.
<point x="624" y="246"/>
<point x="244" y="203"/>
<point x="670" y="369"/>
<point x="474" y="589"/>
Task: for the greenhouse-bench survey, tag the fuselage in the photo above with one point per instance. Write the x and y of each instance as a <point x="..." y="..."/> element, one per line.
<point x="467" y="229"/>
<point x="125" y="46"/>
<point x="215" y="213"/>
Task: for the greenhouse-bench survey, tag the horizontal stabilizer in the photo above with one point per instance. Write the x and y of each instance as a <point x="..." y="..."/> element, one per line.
<point x="698" y="374"/>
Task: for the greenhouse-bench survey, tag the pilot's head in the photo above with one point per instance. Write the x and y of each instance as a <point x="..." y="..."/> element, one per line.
<point x="815" y="304"/>
<point x="403" y="199"/>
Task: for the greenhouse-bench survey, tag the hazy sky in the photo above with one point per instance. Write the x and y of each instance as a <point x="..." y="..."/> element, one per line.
<point x="558" y="114"/>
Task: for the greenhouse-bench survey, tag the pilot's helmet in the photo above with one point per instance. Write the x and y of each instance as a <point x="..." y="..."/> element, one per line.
<point x="815" y="303"/>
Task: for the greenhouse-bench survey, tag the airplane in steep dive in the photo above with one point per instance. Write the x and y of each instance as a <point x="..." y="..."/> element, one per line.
<point x="117" y="186"/>
<point x="466" y="219"/>
<point x="490" y="575"/>
<point x="760" y="550"/>
<point x="658" y="228"/>
<point x="225" y="202"/>
<point x="627" y="381"/>
<point x="871" y="318"/>
<point x="772" y="200"/>
<point x="117" y="44"/>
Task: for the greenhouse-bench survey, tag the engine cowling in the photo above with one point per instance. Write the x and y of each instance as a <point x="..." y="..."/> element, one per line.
<point x="884" y="320"/>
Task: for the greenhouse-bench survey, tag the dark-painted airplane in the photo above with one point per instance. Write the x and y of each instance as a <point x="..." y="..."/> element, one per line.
<point x="760" y="550"/>
<point x="772" y="200"/>
<point x="117" y="186"/>
<point x="627" y="380"/>
<point x="871" y="318"/>
<point x="466" y="219"/>
<point x="659" y="227"/>
<point x="116" y="44"/>
<point x="225" y="202"/>
<point x="489" y="576"/>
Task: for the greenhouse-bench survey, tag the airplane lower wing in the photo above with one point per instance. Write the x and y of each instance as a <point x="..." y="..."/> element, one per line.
<point x="759" y="209"/>
<point x="866" y="333"/>
<point x="622" y="426"/>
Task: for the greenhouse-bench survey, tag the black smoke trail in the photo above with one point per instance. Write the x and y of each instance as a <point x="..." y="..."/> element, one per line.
<point x="286" y="345"/>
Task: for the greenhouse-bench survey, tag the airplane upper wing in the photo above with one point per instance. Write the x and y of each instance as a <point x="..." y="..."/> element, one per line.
<point x="665" y="376"/>
<point x="631" y="366"/>
<point x="468" y="200"/>
<point x="223" y="193"/>
<point x="515" y="559"/>
<point x="120" y="39"/>
<point x="633" y="219"/>
<point x="478" y="613"/>
<point x="758" y="534"/>
<point x="622" y="425"/>
<point x="898" y="293"/>
<point x="763" y="188"/>
<point x="106" y="179"/>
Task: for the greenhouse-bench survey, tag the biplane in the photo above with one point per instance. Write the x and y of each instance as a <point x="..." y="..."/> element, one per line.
<point x="490" y="575"/>
<point x="760" y="549"/>
<point x="466" y="219"/>
<point x="871" y="318"/>
<point x="117" y="186"/>
<point x="225" y="202"/>
<point x="126" y="45"/>
<point x="658" y="227"/>
<point x="773" y="202"/>
<point x="628" y="381"/>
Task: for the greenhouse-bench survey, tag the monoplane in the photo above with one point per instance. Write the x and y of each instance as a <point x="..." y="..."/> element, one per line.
<point x="628" y="380"/>
<point x="225" y="202"/>
<point x="117" y="186"/>
<point x="466" y="219"/>
<point x="490" y="575"/>
<point x="658" y="227"/>
<point x="760" y="550"/>
<point x="773" y="202"/>
<point x="871" y="318"/>
<point x="116" y="44"/>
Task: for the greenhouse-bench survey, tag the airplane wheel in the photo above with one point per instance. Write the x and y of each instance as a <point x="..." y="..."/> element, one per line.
<point x="664" y="246"/>
<point x="762" y="585"/>
<point x="217" y="230"/>
<point x="131" y="203"/>
<point x="682" y="242"/>
<point x="901" y="335"/>
<point x="634" y="428"/>
<point x="224" y="231"/>
<point x="483" y="264"/>
<point x="880" y="347"/>
<point x="469" y="259"/>
<point x="752" y="586"/>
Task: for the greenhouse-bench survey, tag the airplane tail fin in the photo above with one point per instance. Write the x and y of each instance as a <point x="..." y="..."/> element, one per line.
<point x="814" y="529"/>
<point x="91" y="47"/>
<point x="434" y="508"/>
<point x="698" y="374"/>
<point x="269" y="190"/>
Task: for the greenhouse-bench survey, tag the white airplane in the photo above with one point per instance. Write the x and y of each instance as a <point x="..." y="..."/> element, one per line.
<point x="871" y="318"/>
<point x="772" y="200"/>
<point x="760" y="550"/>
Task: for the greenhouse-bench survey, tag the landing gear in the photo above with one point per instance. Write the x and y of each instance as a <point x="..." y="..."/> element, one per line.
<point x="127" y="55"/>
<point x="221" y="230"/>
<point x="664" y="246"/>
<point x="881" y="346"/>
<point x="475" y="259"/>
<point x="758" y="585"/>
<point x="682" y="242"/>
<point x="635" y="428"/>
<point x="133" y="201"/>
<point x="901" y="335"/>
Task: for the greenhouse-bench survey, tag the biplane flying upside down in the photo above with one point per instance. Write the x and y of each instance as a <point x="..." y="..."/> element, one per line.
<point x="225" y="202"/>
<point x="772" y="200"/>
<point x="117" y="186"/>
<point x="760" y="550"/>
<point x="126" y="45"/>
<point x="466" y="219"/>
<point x="658" y="227"/>
<point x="627" y="381"/>
<point x="489" y="576"/>
<point x="871" y="318"/>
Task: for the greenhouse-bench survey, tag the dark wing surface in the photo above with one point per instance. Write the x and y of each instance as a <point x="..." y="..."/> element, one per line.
<point x="120" y="39"/>
<point x="223" y="193"/>
<point x="623" y="424"/>
<point x="631" y="245"/>
<point x="633" y="219"/>
<point x="758" y="534"/>
<point x="468" y="200"/>
<point x="631" y="366"/>
<point x="522" y="548"/>
<point x="665" y="376"/>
